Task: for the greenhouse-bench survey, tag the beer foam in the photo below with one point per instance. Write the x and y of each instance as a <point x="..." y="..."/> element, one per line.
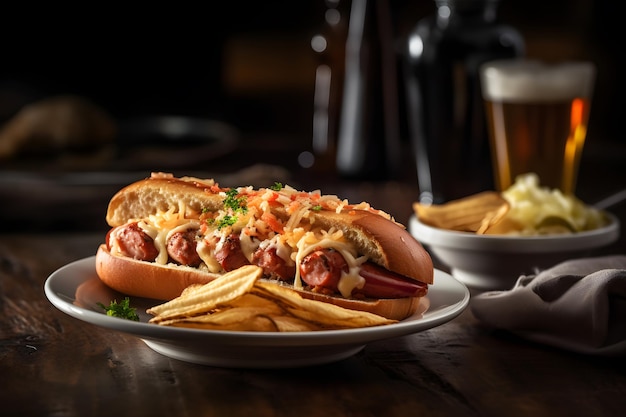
<point x="525" y="80"/>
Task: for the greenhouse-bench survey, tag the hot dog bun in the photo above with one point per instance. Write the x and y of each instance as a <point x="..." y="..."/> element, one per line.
<point x="159" y="193"/>
<point x="378" y="237"/>
<point x="147" y="279"/>
<point x="385" y="242"/>
<point x="165" y="282"/>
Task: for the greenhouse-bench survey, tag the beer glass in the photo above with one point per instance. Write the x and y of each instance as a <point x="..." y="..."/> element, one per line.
<point x="537" y="116"/>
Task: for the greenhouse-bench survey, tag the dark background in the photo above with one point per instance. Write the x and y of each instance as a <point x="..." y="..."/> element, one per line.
<point x="250" y="62"/>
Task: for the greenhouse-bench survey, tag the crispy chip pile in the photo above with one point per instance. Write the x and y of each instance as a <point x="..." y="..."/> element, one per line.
<point x="525" y="208"/>
<point x="238" y="300"/>
<point x="476" y="213"/>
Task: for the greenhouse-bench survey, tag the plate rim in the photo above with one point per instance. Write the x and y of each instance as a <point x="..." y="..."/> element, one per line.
<point x="442" y="313"/>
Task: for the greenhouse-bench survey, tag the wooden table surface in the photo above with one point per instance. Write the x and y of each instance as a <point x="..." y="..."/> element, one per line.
<point x="55" y="365"/>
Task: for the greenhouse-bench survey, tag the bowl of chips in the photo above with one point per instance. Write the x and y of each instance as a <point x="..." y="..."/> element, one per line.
<point x="488" y="240"/>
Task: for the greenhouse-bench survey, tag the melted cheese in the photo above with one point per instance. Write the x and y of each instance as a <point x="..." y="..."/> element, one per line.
<point x="349" y="281"/>
<point x="332" y="239"/>
<point x="249" y="245"/>
<point x="280" y="245"/>
<point x="207" y="254"/>
<point x="258" y="227"/>
<point x="300" y="238"/>
<point x="115" y="246"/>
<point x="162" y="225"/>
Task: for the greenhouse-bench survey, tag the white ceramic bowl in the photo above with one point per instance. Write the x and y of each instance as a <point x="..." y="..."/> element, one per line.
<point x="491" y="262"/>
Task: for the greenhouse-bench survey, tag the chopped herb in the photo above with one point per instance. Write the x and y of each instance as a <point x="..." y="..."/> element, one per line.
<point x="235" y="203"/>
<point x="122" y="310"/>
<point x="226" y="221"/>
<point x="277" y="186"/>
<point x="317" y="207"/>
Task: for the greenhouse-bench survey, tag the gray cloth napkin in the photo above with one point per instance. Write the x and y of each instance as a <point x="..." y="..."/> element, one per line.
<point x="578" y="305"/>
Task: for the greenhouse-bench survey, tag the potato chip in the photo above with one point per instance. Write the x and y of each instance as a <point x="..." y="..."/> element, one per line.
<point x="328" y="315"/>
<point x="293" y="324"/>
<point x="224" y="289"/>
<point x="190" y="289"/>
<point x="252" y="299"/>
<point x="476" y="213"/>
<point x="240" y="301"/>
<point x="241" y="319"/>
<point x="492" y="219"/>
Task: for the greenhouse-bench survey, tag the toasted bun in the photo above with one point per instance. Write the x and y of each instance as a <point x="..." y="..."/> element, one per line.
<point x="146" y="279"/>
<point x="385" y="242"/>
<point x="159" y="193"/>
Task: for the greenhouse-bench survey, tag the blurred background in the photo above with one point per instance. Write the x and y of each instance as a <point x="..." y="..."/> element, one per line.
<point x="250" y="62"/>
<point x="251" y="65"/>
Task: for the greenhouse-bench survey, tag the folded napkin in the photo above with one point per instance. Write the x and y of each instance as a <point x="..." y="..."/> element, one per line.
<point x="578" y="305"/>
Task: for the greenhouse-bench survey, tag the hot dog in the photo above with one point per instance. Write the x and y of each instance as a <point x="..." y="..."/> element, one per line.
<point x="168" y="233"/>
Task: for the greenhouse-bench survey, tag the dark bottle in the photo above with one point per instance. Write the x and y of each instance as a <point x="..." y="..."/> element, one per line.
<point x="329" y="45"/>
<point x="444" y="105"/>
<point x="369" y="139"/>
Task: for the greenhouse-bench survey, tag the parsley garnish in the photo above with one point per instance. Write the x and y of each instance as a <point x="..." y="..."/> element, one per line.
<point x="226" y="221"/>
<point x="122" y="310"/>
<point x="235" y="203"/>
<point x="317" y="207"/>
<point x="277" y="186"/>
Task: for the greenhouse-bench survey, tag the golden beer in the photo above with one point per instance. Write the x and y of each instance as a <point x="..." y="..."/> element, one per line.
<point x="537" y="119"/>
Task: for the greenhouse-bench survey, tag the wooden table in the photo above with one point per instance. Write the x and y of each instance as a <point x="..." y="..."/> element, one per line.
<point x="53" y="364"/>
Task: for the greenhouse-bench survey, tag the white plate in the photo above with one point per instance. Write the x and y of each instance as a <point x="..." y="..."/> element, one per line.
<point x="75" y="289"/>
